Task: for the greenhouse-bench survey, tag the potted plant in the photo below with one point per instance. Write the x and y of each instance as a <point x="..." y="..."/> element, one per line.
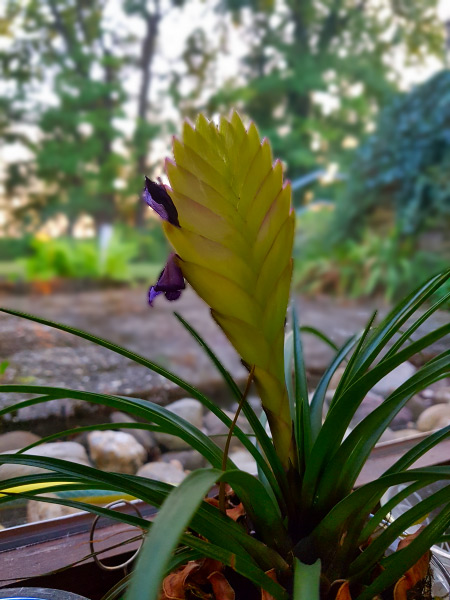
<point x="299" y="530"/>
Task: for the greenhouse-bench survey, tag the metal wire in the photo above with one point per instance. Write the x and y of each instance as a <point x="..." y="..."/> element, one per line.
<point x="99" y="563"/>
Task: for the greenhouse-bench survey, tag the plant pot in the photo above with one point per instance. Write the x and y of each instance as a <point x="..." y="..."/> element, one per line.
<point x="23" y="593"/>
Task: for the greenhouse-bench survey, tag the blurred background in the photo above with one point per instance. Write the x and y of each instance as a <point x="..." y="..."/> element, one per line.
<point x="354" y="96"/>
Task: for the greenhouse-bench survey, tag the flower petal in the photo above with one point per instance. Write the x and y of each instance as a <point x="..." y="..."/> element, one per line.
<point x="156" y="196"/>
<point x="170" y="282"/>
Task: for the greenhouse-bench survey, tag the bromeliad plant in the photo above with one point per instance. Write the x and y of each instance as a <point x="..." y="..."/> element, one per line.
<point x="299" y="530"/>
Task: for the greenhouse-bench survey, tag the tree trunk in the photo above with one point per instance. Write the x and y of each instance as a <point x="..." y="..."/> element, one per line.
<point x="140" y="140"/>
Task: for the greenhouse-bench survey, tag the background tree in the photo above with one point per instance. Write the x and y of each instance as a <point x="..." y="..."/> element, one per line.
<point x="316" y="73"/>
<point x="67" y="70"/>
<point x="402" y="170"/>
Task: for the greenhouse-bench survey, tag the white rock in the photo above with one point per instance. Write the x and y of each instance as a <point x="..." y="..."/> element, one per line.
<point x="189" y="459"/>
<point x="42" y="511"/>
<point x="116" y="451"/>
<point x="394" y="379"/>
<point x="70" y="451"/>
<point x="171" y="472"/>
<point x="143" y="436"/>
<point x="432" y="417"/>
<point x="12" y="440"/>
<point x="442" y="395"/>
<point x="244" y="461"/>
<point x="187" y="408"/>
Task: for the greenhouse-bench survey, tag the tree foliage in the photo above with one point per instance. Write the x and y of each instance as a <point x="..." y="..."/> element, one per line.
<point x="404" y="167"/>
<point x="316" y="72"/>
<point x="68" y="97"/>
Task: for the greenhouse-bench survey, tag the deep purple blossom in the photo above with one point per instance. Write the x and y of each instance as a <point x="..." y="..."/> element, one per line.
<point x="170" y="282"/>
<point x="156" y="196"/>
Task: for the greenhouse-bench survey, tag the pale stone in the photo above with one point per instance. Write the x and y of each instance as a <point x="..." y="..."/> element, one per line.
<point x="13" y="440"/>
<point x="189" y="459"/>
<point x="171" y="472"/>
<point x="433" y="416"/>
<point x="244" y="461"/>
<point x="144" y="437"/>
<point x="418" y="404"/>
<point x="394" y="379"/>
<point x="442" y="395"/>
<point x="116" y="451"/>
<point x="71" y="451"/>
<point x="43" y="511"/>
<point x="190" y="410"/>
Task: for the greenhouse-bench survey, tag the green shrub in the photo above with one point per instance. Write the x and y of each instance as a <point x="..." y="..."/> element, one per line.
<point x="72" y="258"/>
<point x="386" y="265"/>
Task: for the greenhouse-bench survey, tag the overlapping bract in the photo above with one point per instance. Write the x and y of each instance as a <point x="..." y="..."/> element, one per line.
<point x="234" y="246"/>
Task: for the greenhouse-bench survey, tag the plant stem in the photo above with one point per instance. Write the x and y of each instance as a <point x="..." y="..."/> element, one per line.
<point x="222" y="506"/>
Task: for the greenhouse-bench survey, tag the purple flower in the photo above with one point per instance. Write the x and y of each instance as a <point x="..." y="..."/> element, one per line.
<point x="170" y="282"/>
<point x="156" y="196"/>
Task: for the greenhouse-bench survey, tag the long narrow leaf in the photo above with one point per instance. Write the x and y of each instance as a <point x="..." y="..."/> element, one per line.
<point x="412" y="455"/>
<point x="343" y="408"/>
<point x="346" y="375"/>
<point x="150" y="411"/>
<point x="316" y="407"/>
<point x="398" y="563"/>
<point x="332" y="526"/>
<point x="408" y="333"/>
<point x="173" y="518"/>
<point x="97" y="427"/>
<point x="395" y="319"/>
<point x="137" y="358"/>
<point x="375" y="521"/>
<point x="319" y="335"/>
<point x="302" y="423"/>
<point x="376" y="550"/>
<point x="343" y="469"/>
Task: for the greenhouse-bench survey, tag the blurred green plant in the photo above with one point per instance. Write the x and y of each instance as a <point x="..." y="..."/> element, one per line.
<point x="12" y="248"/>
<point x="80" y="259"/>
<point x="403" y="169"/>
<point x="387" y="265"/>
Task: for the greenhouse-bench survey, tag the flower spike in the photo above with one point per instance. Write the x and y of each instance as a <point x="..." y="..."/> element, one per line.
<point x="234" y="246"/>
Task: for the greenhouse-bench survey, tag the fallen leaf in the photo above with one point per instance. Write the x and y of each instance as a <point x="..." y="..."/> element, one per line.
<point x="221" y="587"/>
<point x="344" y="592"/>
<point x="174" y="585"/>
<point x="416" y="573"/>
<point x="264" y="594"/>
